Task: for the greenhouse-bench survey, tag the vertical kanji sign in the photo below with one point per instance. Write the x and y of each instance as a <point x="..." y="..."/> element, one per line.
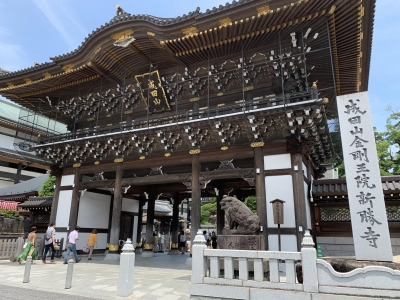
<point x="367" y="206"/>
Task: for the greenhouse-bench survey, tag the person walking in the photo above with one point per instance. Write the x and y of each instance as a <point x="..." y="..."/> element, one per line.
<point x="155" y="241"/>
<point x="213" y="240"/>
<point x="49" y="242"/>
<point x="206" y="237"/>
<point x="72" y="239"/>
<point x="92" y="240"/>
<point x="29" y="249"/>
<point x="182" y="242"/>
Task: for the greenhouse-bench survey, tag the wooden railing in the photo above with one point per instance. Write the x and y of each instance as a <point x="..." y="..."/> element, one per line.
<point x="12" y="247"/>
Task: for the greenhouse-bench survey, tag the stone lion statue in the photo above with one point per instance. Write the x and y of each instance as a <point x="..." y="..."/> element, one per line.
<point x="237" y="212"/>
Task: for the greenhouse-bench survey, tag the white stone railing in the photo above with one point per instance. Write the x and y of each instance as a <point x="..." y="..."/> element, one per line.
<point x="259" y="263"/>
<point x="240" y="274"/>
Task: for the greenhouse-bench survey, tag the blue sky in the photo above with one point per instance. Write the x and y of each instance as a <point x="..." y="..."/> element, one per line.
<point x="35" y="30"/>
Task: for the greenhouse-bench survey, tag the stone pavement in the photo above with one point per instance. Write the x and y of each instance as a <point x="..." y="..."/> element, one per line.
<point x="164" y="277"/>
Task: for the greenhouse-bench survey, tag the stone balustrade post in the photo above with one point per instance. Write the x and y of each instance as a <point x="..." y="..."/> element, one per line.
<point x="309" y="264"/>
<point x="199" y="261"/>
<point x="126" y="270"/>
<point x="70" y="271"/>
<point x="27" y="272"/>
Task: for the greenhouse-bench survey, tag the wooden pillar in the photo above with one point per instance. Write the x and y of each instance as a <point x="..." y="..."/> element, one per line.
<point x="196" y="195"/>
<point x="56" y="195"/>
<point x="148" y="247"/>
<point x="116" y="213"/>
<point x="109" y="221"/>
<point x="220" y="212"/>
<point x="73" y="215"/>
<point x="18" y="175"/>
<point x="175" y="226"/>
<point x="260" y="192"/>
<point x="298" y="195"/>
<point x="139" y="227"/>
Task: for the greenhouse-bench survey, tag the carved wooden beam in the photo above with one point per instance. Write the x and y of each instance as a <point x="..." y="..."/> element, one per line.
<point x="173" y="178"/>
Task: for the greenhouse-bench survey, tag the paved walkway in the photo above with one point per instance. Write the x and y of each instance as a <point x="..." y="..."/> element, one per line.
<point x="164" y="277"/>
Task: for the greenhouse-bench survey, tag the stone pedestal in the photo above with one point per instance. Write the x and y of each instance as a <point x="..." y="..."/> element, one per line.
<point x="241" y="242"/>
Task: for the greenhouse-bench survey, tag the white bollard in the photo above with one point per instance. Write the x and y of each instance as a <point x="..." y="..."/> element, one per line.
<point x="126" y="270"/>
<point x="70" y="270"/>
<point x="27" y="272"/>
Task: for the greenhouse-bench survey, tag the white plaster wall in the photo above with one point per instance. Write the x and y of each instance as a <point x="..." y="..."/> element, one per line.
<point x="83" y="238"/>
<point x="94" y="210"/>
<point x="288" y="242"/>
<point x="307" y="202"/>
<point x="64" y="208"/>
<point x="23" y="172"/>
<point x="280" y="187"/>
<point x="130" y="205"/>
<point x="67" y="180"/>
<point x="304" y="169"/>
<point x="278" y="161"/>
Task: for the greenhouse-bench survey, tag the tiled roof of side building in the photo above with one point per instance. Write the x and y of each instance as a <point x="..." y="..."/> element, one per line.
<point x="37" y="202"/>
<point x="24" y="188"/>
<point x="338" y="187"/>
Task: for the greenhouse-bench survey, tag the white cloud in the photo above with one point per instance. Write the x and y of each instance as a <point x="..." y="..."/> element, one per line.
<point x="60" y="17"/>
<point x="10" y="54"/>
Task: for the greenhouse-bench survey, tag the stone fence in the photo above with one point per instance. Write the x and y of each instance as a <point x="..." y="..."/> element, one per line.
<point x="319" y="279"/>
<point x="14" y="225"/>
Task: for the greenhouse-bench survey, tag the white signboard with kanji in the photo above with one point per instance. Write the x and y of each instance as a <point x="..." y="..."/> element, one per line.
<point x="367" y="206"/>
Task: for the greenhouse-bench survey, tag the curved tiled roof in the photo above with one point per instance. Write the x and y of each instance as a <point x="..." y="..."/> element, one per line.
<point x="250" y="23"/>
<point x="126" y="17"/>
<point x="2" y="71"/>
<point x="22" y="71"/>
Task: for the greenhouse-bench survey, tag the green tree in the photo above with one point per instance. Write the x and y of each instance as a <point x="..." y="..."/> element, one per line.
<point x="385" y="158"/>
<point x="391" y="157"/>
<point x="48" y="187"/>
<point x="338" y="151"/>
<point x="207" y="210"/>
<point x="251" y="202"/>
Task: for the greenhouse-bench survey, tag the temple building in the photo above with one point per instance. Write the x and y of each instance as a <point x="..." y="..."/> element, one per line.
<point x="234" y="100"/>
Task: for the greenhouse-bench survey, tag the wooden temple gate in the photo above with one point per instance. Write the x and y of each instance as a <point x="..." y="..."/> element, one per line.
<point x="238" y="97"/>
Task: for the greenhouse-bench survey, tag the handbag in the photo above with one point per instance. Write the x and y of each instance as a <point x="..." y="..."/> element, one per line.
<point x="31" y="251"/>
<point x="86" y="249"/>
